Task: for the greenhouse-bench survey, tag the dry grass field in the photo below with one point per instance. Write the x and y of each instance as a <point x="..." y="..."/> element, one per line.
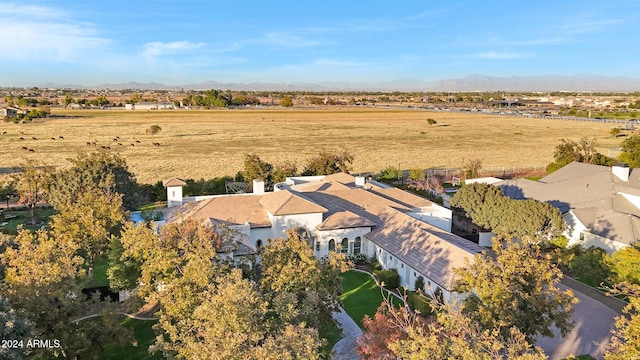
<point x="206" y="144"/>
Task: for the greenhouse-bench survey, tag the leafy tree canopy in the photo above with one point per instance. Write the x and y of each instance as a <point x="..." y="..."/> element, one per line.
<point x="530" y="220"/>
<point x="326" y="163"/>
<point x="516" y="289"/>
<point x="102" y="170"/>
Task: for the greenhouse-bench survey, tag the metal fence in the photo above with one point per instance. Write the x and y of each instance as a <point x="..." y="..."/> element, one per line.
<point x="502" y="172"/>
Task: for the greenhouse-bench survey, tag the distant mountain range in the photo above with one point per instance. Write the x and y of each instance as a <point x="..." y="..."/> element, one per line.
<point x="584" y="82"/>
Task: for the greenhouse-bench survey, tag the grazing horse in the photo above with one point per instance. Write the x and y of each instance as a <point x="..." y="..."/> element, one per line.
<point x="156" y="144"/>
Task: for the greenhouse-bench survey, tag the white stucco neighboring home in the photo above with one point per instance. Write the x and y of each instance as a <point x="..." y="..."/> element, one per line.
<point x="341" y="212"/>
<point x="600" y="204"/>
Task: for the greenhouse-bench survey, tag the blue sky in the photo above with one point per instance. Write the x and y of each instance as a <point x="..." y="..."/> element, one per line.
<point x="181" y="42"/>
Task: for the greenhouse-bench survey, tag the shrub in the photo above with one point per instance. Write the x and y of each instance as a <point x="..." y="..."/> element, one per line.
<point x="390" y="278"/>
<point x="419" y="302"/>
<point x="375" y="265"/>
<point x="390" y="173"/>
<point x="358" y="259"/>
<point x="154" y="129"/>
<point x="591" y="266"/>
<point x="419" y="285"/>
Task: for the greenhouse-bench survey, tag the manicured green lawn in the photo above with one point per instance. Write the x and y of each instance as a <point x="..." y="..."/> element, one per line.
<point x="23" y="217"/>
<point x="360" y="295"/>
<point x="100" y="273"/>
<point x="144" y="336"/>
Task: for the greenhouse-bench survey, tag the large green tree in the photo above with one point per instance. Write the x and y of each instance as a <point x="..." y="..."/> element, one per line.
<point x="99" y="170"/>
<point x="631" y="150"/>
<point x="529" y="220"/>
<point x="516" y="288"/>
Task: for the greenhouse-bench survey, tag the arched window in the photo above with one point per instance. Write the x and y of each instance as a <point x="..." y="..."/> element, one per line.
<point x="357" y="246"/>
<point x="332" y="245"/>
<point x="344" y="245"/>
<point x="258" y="243"/>
<point x="304" y="235"/>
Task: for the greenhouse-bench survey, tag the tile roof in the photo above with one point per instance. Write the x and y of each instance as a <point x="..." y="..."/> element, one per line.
<point x="344" y="220"/>
<point x="427" y="249"/>
<point x="285" y="202"/>
<point x="236" y="209"/>
<point x="173" y="182"/>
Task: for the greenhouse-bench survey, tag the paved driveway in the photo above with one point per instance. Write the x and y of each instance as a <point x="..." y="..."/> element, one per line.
<point x="594" y="321"/>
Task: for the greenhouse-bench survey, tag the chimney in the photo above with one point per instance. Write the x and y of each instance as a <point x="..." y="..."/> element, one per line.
<point x="621" y="170"/>
<point x="258" y="187"/>
<point x="360" y="181"/>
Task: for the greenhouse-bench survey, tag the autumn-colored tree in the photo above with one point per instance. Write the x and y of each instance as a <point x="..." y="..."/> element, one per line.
<point x="449" y="334"/>
<point x="378" y="333"/>
<point x="471" y="168"/>
<point x="625" y="264"/>
<point x="304" y="289"/>
<point x="231" y="321"/>
<point x="32" y="183"/>
<point x="516" y="288"/>
<point x="43" y="278"/>
<point x="90" y="222"/>
<point x="625" y="339"/>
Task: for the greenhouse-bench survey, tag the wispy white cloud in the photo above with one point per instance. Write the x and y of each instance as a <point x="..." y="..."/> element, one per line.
<point x="38" y="32"/>
<point x="499" y="55"/>
<point x="290" y="40"/>
<point x="578" y="26"/>
<point x="156" y="48"/>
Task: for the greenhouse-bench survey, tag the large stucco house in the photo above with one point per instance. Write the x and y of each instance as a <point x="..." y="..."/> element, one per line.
<point x="345" y="213"/>
<point x="600" y="204"/>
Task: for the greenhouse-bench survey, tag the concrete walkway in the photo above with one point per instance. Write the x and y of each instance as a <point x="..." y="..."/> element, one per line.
<point x="345" y="349"/>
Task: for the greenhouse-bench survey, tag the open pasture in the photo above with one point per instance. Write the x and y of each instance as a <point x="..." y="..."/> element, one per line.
<point x="206" y="144"/>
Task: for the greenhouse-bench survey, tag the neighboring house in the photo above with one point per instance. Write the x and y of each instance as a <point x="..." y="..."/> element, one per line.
<point x="344" y="213"/>
<point x="149" y="105"/>
<point x="600" y="204"/>
<point x="9" y="112"/>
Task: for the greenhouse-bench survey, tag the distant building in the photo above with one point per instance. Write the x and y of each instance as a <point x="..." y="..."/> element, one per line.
<point x="340" y="212"/>
<point x="9" y="112"/>
<point x="148" y="105"/>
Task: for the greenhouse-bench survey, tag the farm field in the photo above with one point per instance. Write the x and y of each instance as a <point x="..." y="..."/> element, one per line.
<point x="206" y="144"/>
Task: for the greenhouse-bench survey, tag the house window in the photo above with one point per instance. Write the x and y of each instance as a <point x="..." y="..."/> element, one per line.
<point x="414" y="274"/>
<point x="357" y="246"/>
<point x="173" y="193"/>
<point x="581" y="235"/>
<point x="402" y="265"/>
<point x="344" y="246"/>
<point x="332" y="245"/>
<point x="317" y="245"/>
<point x="258" y="243"/>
